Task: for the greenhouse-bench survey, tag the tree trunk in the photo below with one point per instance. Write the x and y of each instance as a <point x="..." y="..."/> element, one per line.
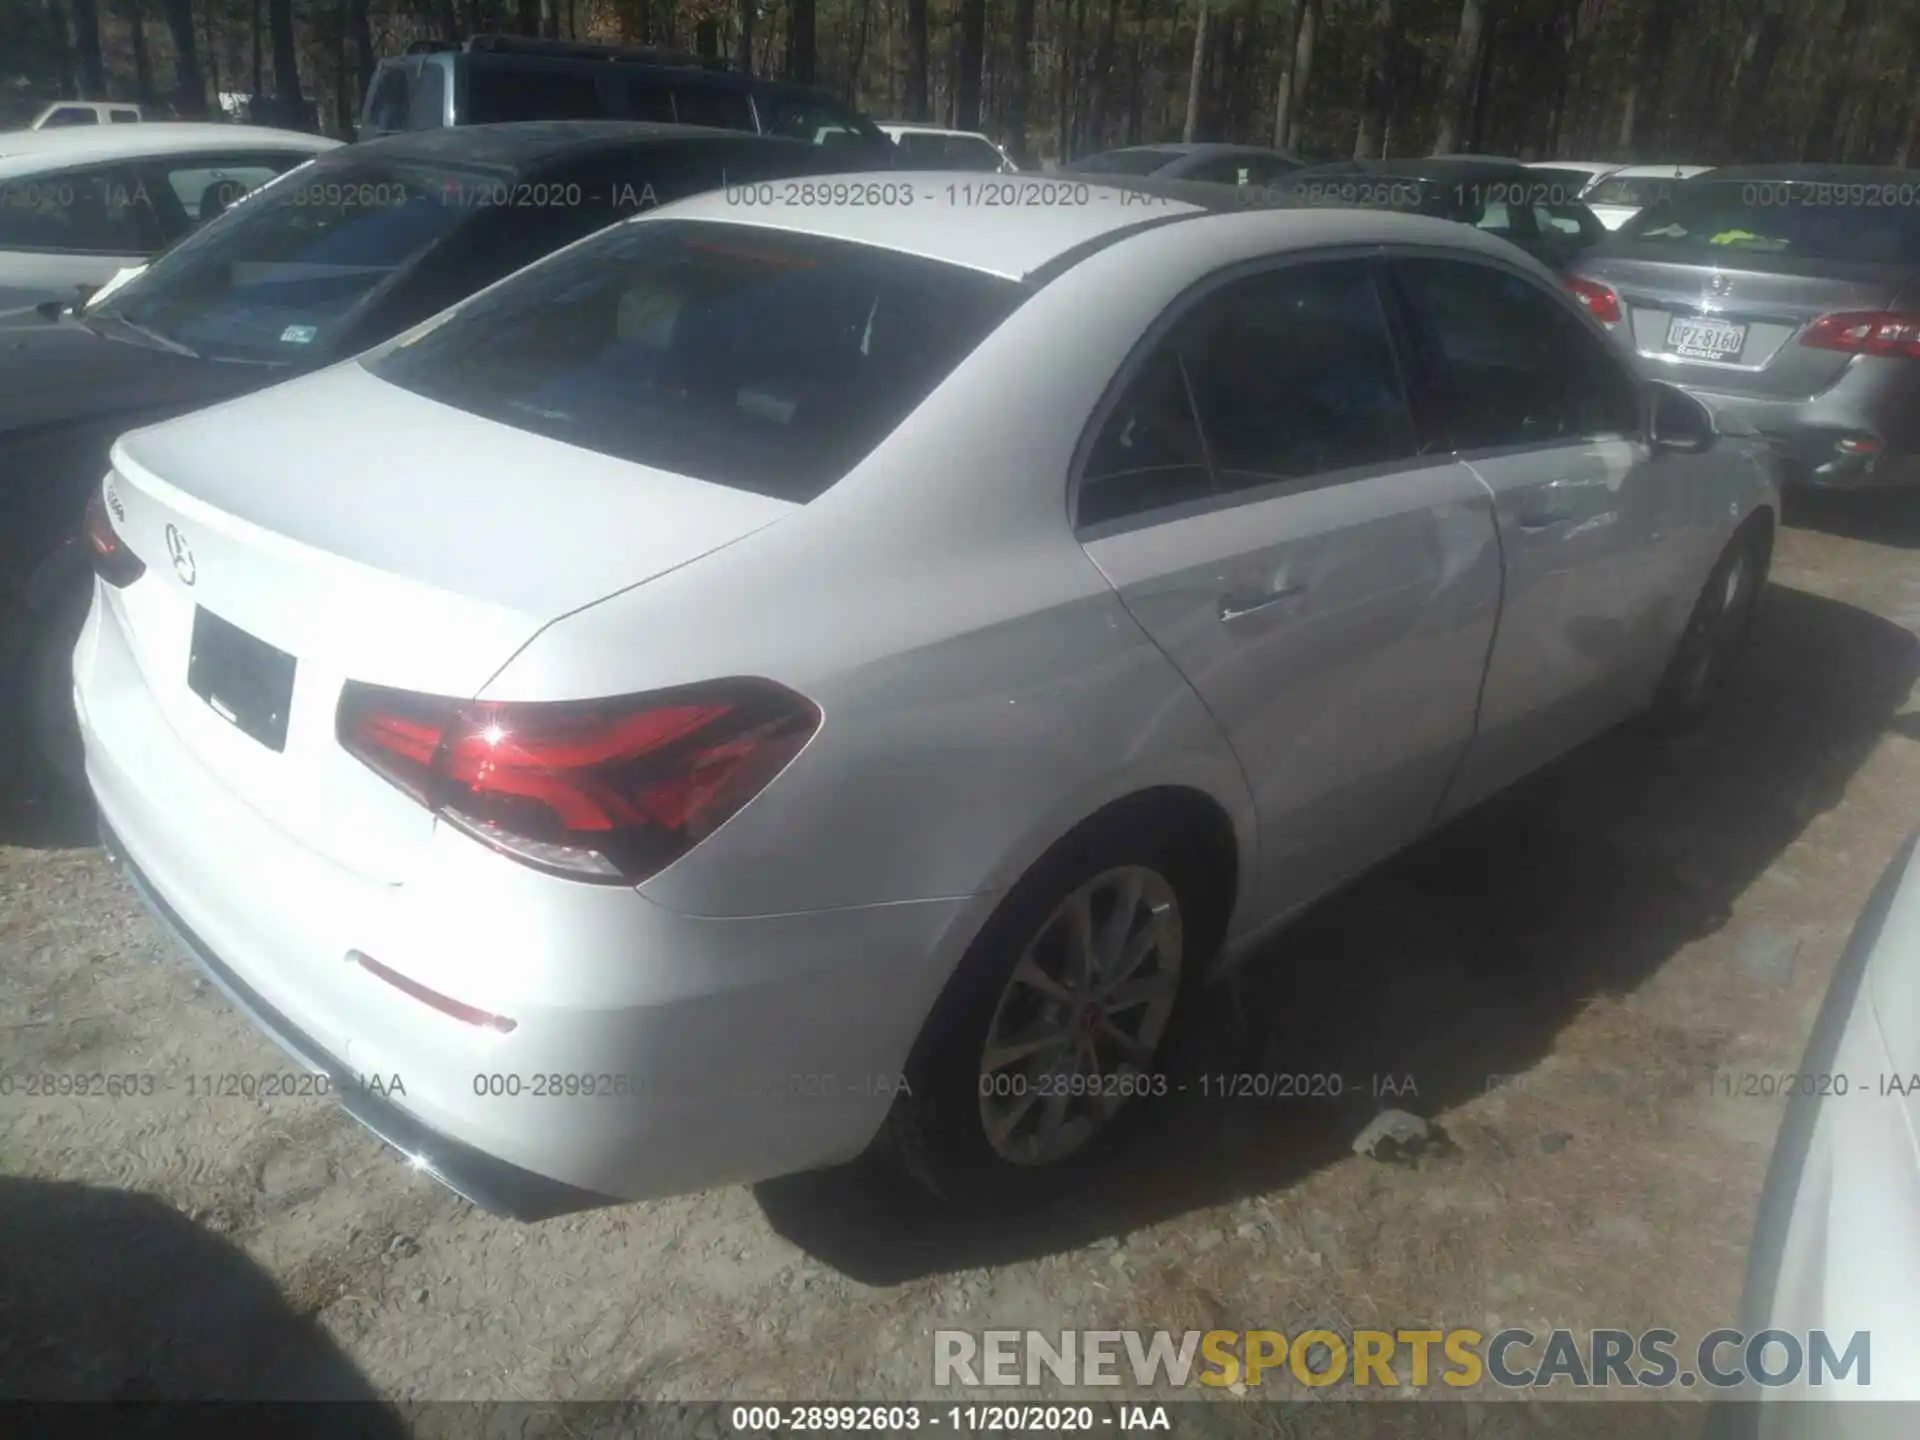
<point x="286" y="61"/>
<point x="259" y="84"/>
<point x="63" y="58"/>
<point x="446" y="16"/>
<point x="804" y="16"/>
<point x="1194" y="76"/>
<point x="1020" y="83"/>
<point x="211" y="44"/>
<point x="1753" y="73"/>
<point x="859" y="59"/>
<point x="134" y="13"/>
<point x="706" y="38"/>
<point x="1142" y="10"/>
<point x="189" y="89"/>
<point x="915" y="99"/>
<point x="1102" y="98"/>
<point x="1456" y="84"/>
<point x="1379" y="94"/>
<point x="91" y="68"/>
<point x="1302" y="73"/>
<point x="549" y="20"/>
<point x="343" y="96"/>
<point x="973" y="49"/>
<point x="1483" y="87"/>
<point x="360" y="31"/>
<point x="1822" y="137"/>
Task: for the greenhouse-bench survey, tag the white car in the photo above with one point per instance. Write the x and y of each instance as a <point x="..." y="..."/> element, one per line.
<point x="1594" y="170"/>
<point x="1836" y="1242"/>
<point x="765" y="679"/>
<point x="86" y="112"/>
<point x="933" y="147"/>
<point x="77" y="206"/>
<point x="1622" y="195"/>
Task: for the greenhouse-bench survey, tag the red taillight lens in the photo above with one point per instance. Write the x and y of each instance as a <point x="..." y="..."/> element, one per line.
<point x="610" y="790"/>
<point x="1599" y="299"/>
<point x="1894" y="334"/>
<point x="113" y="562"/>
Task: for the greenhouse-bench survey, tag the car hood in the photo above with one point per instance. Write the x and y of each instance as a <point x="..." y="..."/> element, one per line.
<point x="59" y="372"/>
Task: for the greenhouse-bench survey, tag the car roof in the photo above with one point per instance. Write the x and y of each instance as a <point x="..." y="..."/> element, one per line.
<point x="915" y="127"/>
<point x="513" y="146"/>
<point x="149" y="138"/>
<point x="1592" y="167"/>
<point x="1028" y="241"/>
<point x="1427" y="167"/>
<point x="1681" y="172"/>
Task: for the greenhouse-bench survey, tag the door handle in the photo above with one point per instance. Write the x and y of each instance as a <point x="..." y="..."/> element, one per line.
<point x="1545" y="519"/>
<point x="1232" y="607"/>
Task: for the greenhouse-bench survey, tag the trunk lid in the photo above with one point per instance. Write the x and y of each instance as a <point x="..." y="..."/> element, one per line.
<point x="1773" y="303"/>
<point x="373" y="535"/>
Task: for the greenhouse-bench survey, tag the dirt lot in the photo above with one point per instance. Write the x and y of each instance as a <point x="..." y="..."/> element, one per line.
<point x="1623" y="931"/>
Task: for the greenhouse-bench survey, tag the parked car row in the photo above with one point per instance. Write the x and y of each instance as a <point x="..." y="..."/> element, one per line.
<point x="724" y="668"/>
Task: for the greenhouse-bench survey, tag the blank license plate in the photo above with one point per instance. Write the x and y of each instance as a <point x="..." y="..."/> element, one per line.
<point x="246" y="681"/>
<point x="1705" y="339"/>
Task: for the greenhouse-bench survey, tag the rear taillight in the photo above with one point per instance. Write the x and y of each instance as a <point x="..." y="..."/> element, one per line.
<point x="112" y="561"/>
<point x="1894" y="334"/>
<point x="608" y="790"/>
<point x="1599" y="299"/>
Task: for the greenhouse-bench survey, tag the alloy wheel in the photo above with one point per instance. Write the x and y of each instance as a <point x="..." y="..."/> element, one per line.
<point x="1081" y="1016"/>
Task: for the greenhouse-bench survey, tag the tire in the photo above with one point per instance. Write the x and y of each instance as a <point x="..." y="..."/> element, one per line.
<point x="1715" y="636"/>
<point x="938" y="1130"/>
<point x="40" y="690"/>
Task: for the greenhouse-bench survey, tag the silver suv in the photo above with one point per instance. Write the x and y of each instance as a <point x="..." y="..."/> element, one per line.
<point x="1788" y="295"/>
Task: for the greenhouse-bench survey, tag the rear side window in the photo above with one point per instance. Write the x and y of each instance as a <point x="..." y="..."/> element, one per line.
<point x="104" y="211"/>
<point x="387" y="100"/>
<point x="649" y="100"/>
<point x="497" y="93"/>
<point x="812" y="118"/>
<point x="1293" y="375"/>
<point x="714" y="105"/>
<point x="1521" y="369"/>
<point x="427" y="107"/>
<point x="126" y="117"/>
<point x="1148" y="454"/>
<point x="203" y="186"/>
<point x="763" y="361"/>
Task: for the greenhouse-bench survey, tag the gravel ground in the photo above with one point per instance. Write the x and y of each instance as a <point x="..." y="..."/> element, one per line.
<point x="1619" y="932"/>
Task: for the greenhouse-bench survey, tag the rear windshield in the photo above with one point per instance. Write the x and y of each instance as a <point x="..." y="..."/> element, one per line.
<point x="748" y="357"/>
<point x="1636" y="190"/>
<point x="288" y="267"/>
<point x="1125" y="162"/>
<point x="1805" y="221"/>
<point x="927" y="150"/>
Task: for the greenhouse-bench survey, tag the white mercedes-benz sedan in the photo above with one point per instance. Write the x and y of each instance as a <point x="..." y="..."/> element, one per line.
<point x="835" y="663"/>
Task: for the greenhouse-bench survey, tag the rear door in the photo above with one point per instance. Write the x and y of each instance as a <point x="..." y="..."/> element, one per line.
<point x="1256" y="495"/>
<point x="1548" y="417"/>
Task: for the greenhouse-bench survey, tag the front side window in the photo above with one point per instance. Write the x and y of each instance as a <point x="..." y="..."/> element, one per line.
<point x="103" y="211"/>
<point x="1521" y="368"/>
<point x="926" y="150"/>
<point x="71" y="115"/>
<point x="752" y="358"/>
<point x="205" y="185"/>
<point x="649" y="100"/>
<point x="814" y="119"/>
<point x="498" y="93"/>
<point x="387" y="102"/>
<point x="1293" y="374"/>
<point x="289" y="269"/>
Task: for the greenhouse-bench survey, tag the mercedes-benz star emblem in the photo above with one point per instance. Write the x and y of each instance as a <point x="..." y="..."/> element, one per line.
<point x="1719" y="284"/>
<point x="182" y="554"/>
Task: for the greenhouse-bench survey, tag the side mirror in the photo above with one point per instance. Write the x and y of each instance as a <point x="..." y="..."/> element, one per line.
<point x="1676" y="421"/>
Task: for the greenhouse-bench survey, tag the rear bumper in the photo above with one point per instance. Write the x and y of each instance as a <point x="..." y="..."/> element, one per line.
<point x="652" y="1052"/>
<point x="490" y="1183"/>
<point x="1856" y="436"/>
